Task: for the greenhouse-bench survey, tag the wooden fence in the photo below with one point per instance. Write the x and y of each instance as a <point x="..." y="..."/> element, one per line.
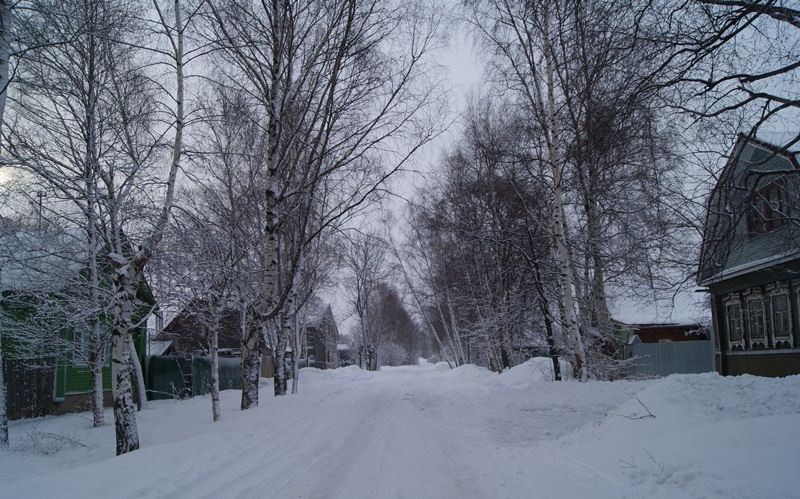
<point x="29" y="386"/>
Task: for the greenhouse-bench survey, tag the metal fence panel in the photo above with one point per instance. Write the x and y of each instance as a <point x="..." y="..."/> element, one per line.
<point x="665" y="358"/>
<point x="165" y="377"/>
<point x="230" y="374"/>
<point x="173" y="377"/>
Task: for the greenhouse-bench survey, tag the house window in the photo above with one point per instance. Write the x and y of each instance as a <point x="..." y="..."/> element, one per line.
<point x="734" y="314"/>
<point x="80" y="346"/>
<point x="81" y="354"/>
<point x="767" y="209"/>
<point x="755" y="319"/>
<point x="781" y="325"/>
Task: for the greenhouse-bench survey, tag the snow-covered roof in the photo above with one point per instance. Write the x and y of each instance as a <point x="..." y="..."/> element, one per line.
<point x="39" y="260"/>
<point x="752" y="266"/>
<point x="779" y="137"/>
<point x="158" y="347"/>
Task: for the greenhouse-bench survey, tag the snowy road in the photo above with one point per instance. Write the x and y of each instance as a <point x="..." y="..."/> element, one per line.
<point x="431" y="432"/>
<point x="405" y="433"/>
<point x="401" y="433"/>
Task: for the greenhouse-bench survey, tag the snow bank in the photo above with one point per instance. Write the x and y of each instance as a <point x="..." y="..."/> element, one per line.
<point x="700" y="436"/>
<point x="534" y="370"/>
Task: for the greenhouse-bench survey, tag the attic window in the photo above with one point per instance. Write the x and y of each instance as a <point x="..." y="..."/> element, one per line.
<point x="767" y="209"/>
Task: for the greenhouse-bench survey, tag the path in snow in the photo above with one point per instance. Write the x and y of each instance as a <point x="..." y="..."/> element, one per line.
<point x="412" y="432"/>
<point x="404" y="433"/>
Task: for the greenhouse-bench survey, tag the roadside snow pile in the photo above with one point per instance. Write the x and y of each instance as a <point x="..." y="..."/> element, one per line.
<point x="700" y="436"/>
<point x="532" y="371"/>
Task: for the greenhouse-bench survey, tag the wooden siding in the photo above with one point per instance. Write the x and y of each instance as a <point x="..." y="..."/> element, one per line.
<point x="740" y="357"/>
<point x="771" y="364"/>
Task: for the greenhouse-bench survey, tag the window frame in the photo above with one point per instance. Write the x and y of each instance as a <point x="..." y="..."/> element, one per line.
<point x="767" y="208"/>
<point x="785" y="320"/>
<point x="81" y="342"/>
<point x="734" y="302"/>
<point x="757" y="298"/>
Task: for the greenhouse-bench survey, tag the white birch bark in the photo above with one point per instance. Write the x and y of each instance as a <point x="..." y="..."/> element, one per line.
<point x="96" y="366"/>
<point x="559" y="232"/>
<point x="4" y="441"/>
<point x="216" y="413"/>
<point x="138" y="374"/>
<point x="98" y="336"/>
<point x="294" y="331"/>
<point x="127" y="434"/>
<point x="295" y="357"/>
<point x="128" y="271"/>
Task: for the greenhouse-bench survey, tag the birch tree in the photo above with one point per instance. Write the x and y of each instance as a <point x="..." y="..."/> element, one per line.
<point x="366" y="265"/>
<point x="5" y="52"/>
<point x="210" y="257"/>
<point x="77" y="103"/>
<point x="483" y="225"/>
<point x="95" y="139"/>
<point x="345" y="91"/>
<point x="3" y="404"/>
<point x="524" y="38"/>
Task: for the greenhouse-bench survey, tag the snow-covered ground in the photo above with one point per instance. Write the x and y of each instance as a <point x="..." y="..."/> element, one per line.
<point x="431" y="432"/>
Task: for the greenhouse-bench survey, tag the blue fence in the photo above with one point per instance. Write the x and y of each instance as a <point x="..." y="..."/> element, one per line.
<point x="666" y="357"/>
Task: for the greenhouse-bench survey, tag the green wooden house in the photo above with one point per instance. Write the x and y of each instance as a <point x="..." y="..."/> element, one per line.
<point x="45" y="344"/>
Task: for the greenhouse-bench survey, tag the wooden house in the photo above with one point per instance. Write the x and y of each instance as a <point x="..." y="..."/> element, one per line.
<point x="322" y="340"/>
<point x="750" y="261"/>
<point x="45" y="338"/>
<point x="186" y="335"/>
<point x="655" y="333"/>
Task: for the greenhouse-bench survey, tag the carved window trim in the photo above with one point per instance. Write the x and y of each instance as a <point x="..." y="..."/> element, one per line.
<point x="734" y="315"/>
<point x="756" y="320"/>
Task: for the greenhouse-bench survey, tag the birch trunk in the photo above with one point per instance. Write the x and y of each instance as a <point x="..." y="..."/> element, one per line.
<point x="279" y="361"/>
<point x="559" y="222"/>
<point x="250" y="364"/>
<point x="265" y="304"/>
<point x="5" y="49"/>
<point x="214" y="351"/>
<point x="96" y="366"/>
<point x="128" y="271"/>
<point x="98" y="337"/>
<point x="127" y="435"/>
<point x="296" y="350"/>
<point x="138" y="374"/>
<point x="3" y="404"/>
<point x="596" y="295"/>
<point x="548" y="321"/>
<point x="460" y="353"/>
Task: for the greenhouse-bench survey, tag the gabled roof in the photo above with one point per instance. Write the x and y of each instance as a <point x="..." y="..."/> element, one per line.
<point x="187" y="332"/>
<point x="39" y="260"/>
<point x="726" y="245"/>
